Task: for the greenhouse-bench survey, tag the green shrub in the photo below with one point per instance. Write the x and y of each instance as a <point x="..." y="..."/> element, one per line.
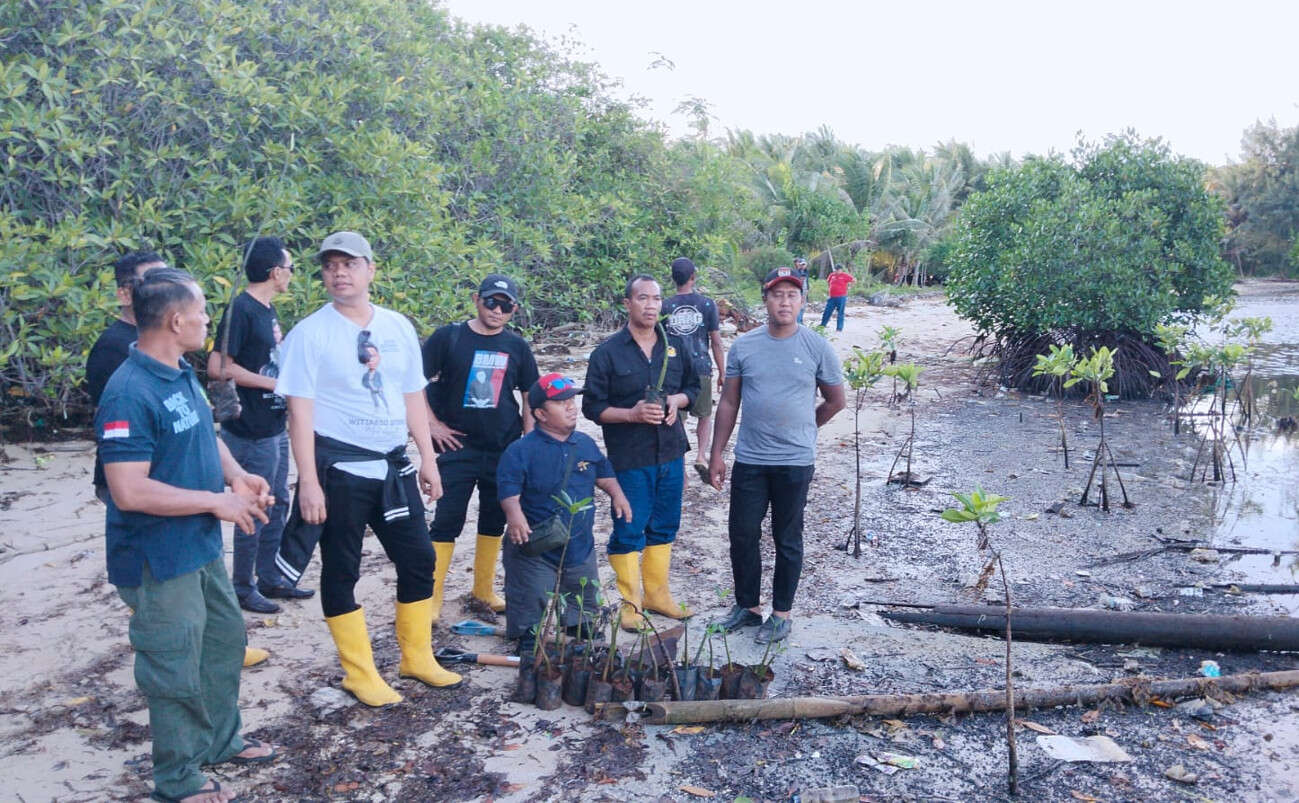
<point x="763" y="260"/>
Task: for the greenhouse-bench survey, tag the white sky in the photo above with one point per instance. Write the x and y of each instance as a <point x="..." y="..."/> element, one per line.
<point x="1004" y="75"/>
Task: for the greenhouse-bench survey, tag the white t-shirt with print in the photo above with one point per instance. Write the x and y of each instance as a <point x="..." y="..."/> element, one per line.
<point x="357" y="400"/>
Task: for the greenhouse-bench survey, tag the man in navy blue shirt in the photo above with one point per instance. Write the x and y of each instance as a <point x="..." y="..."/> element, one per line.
<point x="553" y="458"/>
<point x="166" y="474"/>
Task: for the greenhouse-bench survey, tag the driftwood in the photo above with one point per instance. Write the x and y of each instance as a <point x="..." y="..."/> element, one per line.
<point x="1138" y="690"/>
<point x="1201" y="631"/>
<point x="1258" y="588"/>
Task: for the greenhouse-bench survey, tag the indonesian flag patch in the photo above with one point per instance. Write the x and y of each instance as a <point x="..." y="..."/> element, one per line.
<point x="117" y="429"/>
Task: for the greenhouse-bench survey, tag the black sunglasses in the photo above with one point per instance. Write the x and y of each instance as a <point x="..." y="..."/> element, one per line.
<point x="495" y="302"/>
<point x="363" y="344"/>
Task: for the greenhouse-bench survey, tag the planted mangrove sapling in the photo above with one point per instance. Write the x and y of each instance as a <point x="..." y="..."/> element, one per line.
<point x="862" y="370"/>
<point x="1095" y="369"/>
<point x="909" y="375"/>
<point x="981" y="508"/>
<point x="1057" y="364"/>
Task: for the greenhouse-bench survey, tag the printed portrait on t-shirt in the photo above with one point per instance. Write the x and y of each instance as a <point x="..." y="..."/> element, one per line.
<point x="367" y="353"/>
<point x="486" y="376"/>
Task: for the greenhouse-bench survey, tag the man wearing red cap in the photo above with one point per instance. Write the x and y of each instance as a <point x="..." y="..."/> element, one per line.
<point x="775" y="372"/>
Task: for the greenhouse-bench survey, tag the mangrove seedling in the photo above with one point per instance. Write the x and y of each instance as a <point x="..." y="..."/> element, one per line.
<point x="1096" y="369"/>
<point x="862" y="370"/>
<point x="1057" y="364"/>
<point x="1171" y="340"/>
<point x="888" y="336"/>
<point x="981" y="508"/>
<point x="654" y="393"/>
<point x="909" y="374"/>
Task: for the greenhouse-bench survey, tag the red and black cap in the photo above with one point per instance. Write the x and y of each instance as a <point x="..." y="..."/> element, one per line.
<point x="551" y="387"/>
<point x="779" y="275"/>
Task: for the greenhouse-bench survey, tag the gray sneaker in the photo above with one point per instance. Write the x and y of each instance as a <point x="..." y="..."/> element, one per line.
<point x="776" y="628"/>
<point x="738" y="618"/>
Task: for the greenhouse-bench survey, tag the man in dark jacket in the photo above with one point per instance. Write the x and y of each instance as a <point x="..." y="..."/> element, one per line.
<point x="636" y="383"/>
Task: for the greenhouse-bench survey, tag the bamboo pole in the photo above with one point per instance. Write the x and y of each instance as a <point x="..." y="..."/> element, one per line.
<point x="1139" y="690"/>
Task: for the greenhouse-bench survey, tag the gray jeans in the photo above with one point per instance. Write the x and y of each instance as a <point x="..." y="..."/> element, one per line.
<point x="268" y="458"/>
<point x="528" y="580"/>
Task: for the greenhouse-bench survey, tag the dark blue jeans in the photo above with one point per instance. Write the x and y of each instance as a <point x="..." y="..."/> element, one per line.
<point x="654" y="493"/>
<point x="835" y="303"/>
<point x="755" y="488"/>
<point x="268" y="458"/>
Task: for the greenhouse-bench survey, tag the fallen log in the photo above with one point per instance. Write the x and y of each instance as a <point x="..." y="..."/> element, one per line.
<point x="1199" y="631"/>
<point x="1139" y="690"/>
<point x="1258" y="588"/>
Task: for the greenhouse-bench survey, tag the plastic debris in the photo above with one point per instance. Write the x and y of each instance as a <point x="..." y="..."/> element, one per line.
<point x="1210" y="669"/>
<point x="1090" y="748"/>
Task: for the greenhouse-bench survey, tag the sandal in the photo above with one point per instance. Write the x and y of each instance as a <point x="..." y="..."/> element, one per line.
<point x="203" y="790"/>
<point x="251" y="742"/>
<point x="702" y="471"/>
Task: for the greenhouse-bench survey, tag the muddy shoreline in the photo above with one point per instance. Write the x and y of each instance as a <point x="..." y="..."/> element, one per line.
<point x="72" y="726"/>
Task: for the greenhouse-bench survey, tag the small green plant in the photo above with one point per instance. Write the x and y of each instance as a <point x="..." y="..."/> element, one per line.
<point x="1058" y="364"/>
<point x="888" y="336"/>
<point x="909" y="374"/>
<point x="555" y="602"/>
<point x="1096" y="369"/>
<point x="1171" y="339"/>
<point x="861" y="370"/>
<point x="981" y="509"/>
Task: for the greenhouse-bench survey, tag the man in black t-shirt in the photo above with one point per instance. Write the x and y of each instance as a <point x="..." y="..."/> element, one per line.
<point x="112" y="347"/>
<point x="693" y="318"/>
<point x="257" y="438"/>
<point x="473" y="416"/>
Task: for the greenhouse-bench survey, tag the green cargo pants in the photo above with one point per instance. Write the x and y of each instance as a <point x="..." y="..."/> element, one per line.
<point x="188" y="636"/>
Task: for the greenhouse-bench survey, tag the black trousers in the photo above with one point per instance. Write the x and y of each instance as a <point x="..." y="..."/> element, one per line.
<point x="351" y="504"/>
<point x="755" y="488"/>
<point x="461" y="470"/>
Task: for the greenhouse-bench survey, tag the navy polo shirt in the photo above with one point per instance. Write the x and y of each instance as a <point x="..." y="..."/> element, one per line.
<point x="157" y="414"/>
<point x="532" y="468"/>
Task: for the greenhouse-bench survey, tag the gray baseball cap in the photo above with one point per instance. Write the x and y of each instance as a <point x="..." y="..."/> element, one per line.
<point x="346" y="242"/>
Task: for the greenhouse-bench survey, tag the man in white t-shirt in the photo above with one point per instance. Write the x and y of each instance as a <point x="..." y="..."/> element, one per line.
<point x="354" y="380"/>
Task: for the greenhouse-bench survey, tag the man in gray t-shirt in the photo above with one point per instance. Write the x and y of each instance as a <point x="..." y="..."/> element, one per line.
<point x="772" y="376"/>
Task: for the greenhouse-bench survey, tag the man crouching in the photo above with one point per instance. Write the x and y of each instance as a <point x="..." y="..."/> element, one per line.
<point x="554" y="458"/>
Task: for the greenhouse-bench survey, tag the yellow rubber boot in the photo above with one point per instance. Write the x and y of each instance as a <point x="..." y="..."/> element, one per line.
<point x="655" y="571"/>
<point x="627" y="567"/>
<point x="359" y="675"/>
<point x="415" y="636"/>
<point x="486" y="551"/>
<point x="254" y="656"/>
<point x="443" y="550"/>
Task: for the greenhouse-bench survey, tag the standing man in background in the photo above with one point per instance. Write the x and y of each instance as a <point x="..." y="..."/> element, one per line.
<point x="473" y="416"/>
<point x="692" y="317"/>
<point x="775" y="372"/>
<point x="839" y="279"/>
<point x="349" y="429"/>
<point x="647" y="444"/>
<point x="257" y="438"/>
<point x="167" y="475"/>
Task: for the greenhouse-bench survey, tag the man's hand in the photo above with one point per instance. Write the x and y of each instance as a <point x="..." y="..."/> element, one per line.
<point x="237" y="508"/>
<point x="721" y="380"/>
<point x="430" y="481"/>
<point x="253" y="488"/>
<point x="646" y="412"/>
<point x="621" y="507"/>
<point x="444" y="437"/>
<point x="517" y="529"/>
<point x="311" y="502"/>
<point x="717" y="471"/>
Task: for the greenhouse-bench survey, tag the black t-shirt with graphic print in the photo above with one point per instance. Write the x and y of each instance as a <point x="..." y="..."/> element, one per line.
<point x="476" y="376"/>
<point x="692" y="317"/>
<point x="254" y="340"/>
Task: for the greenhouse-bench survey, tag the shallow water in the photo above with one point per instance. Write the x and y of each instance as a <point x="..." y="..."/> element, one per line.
<point x="1261" y="508"/>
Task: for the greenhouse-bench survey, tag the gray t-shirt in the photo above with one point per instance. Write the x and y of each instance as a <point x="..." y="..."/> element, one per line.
<point x="778" y="394"/>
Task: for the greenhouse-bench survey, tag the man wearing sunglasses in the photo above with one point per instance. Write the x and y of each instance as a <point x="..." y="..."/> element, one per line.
<point x="473" y="414"/>
<point x="352" y="375"/>
<point x="257" y="438"/>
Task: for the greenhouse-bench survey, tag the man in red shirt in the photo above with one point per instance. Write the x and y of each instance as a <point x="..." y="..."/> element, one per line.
<point x="838" y="280"/>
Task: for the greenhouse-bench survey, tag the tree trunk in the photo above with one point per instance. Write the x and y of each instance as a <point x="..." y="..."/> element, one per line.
<point x="1200" y="631"/>
<point x="1137" y="690"/>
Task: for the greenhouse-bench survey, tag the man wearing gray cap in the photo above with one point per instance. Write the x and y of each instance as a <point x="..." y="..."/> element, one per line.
<point x="353" y="378"/>
<point x="473" y="415"/>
